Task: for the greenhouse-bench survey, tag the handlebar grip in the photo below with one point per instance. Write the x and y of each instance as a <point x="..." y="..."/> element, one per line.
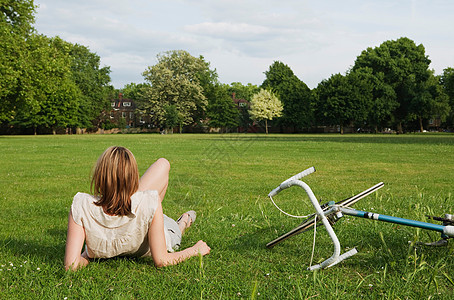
<point x="298" y="176"/>
<point x="285" y="184"/>
<point x="348" y="254"/>
<point x="274" y="192"/>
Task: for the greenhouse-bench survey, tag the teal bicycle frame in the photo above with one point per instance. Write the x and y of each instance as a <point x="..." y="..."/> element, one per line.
<point x="390" y="219"/>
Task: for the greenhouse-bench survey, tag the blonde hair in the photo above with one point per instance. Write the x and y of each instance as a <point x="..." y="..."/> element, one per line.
<point x="115" y="179"/>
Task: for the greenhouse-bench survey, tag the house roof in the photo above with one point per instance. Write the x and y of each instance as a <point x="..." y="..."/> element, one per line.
<point x="238" y="101"/>
<point x="123" y="103"/>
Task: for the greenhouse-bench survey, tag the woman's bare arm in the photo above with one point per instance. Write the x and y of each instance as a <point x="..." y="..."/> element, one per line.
<point x="156" y="240"/>
<point x="74" y="243"/>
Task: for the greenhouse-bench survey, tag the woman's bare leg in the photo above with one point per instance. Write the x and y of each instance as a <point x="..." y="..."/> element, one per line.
<point x="156" y="177"/>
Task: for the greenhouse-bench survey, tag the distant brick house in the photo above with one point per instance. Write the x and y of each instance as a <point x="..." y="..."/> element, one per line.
<point x="434" y="124"/>
<point x="240" y="103"/>
<point x="124" y="112"/>
<point x="245" y="123"/>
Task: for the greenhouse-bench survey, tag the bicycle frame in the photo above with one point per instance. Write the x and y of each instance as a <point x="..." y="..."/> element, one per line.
<point x="339" y="210"/>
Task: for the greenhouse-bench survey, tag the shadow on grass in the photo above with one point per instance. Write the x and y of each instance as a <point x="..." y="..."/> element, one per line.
<point x="252" y="241"/>
<point x="52" y="254"/>
<point x="46" y="250"/>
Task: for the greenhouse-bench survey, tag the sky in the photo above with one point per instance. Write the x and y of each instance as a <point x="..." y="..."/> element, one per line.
<point x="242" y="38"/>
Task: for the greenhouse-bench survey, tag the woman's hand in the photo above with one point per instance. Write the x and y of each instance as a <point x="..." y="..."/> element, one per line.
<point x="157" y="242"/>
<point x="202" y="248"/>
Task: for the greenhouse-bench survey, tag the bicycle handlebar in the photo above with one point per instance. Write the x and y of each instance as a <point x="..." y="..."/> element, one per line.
<point x="336" y="257"/>
<point x="287" y="183"/>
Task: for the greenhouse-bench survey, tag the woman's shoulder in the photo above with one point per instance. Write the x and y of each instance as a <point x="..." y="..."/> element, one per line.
<point x="81" y="206"/>
<point x="149" y="199"/>
<point x="83" y="200"/>
<point x="84" y="197"/>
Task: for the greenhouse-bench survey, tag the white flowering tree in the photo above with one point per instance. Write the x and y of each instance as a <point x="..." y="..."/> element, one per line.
<point x="265" y="106"/>
<point x="174" y="83"/>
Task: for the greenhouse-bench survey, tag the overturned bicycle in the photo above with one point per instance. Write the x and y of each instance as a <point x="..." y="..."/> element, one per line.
<point x="329" y="213"/>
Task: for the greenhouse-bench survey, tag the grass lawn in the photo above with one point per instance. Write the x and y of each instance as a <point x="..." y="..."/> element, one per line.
<point x="226" y="179"/>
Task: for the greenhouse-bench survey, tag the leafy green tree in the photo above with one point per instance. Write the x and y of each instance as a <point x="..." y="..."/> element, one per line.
<point x="172" y="118"/>
<point x="294" y="94"/>
<point x="342" y="100"/>
<point x="174" y="80"/>
<point x="18" y="15"/>
<point x="403" y="66"/>
<point x="222" y="111"/>
<point x="49" y="96"/>
<point x="134" y="91"/>
<point x="447" y="82"/>
<point x="92" y="80"/>
<point x="209" y="82"/>
<point x="46" y="82"/>
<point x="265" y="105"/>
<point x="245" y="92"/>
<point x="383" y="102"/>
<point x="332" y="96"/>
<point x="372" y="101"/>
<point x="360" y="95"/>
<point x="16" y="19"/>
<point x="430" y="101"/>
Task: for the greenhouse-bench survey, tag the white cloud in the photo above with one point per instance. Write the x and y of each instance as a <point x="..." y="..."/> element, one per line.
<point x="232" y="31"/>
<point x="126" y="67"/>
<point x="241" y="39"/>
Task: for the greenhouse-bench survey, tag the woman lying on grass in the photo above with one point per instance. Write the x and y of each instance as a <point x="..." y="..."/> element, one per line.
<point x="124" y="217"/>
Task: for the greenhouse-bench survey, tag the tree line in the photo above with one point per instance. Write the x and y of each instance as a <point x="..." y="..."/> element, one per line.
<point x="48" y="84"/>
<point x="389" y="86"/>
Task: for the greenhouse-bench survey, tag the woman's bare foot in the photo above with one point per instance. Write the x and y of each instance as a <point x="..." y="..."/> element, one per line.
<point x="186" y="220"/>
